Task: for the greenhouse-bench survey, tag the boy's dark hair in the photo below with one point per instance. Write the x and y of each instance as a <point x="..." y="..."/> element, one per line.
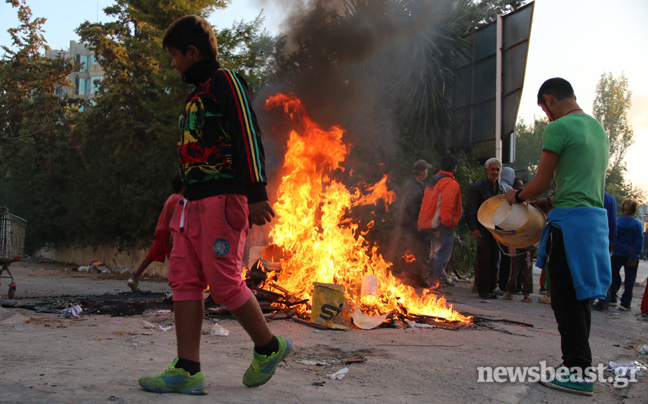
<point x="557" y="87"/>
<point x="191" y="30"/>
<point x="448" y="162"/>
<point x="177" y="184"/>
<point x="629" y="207"/>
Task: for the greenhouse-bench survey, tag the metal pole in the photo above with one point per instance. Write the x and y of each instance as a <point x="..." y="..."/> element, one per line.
<point x="498" y="91"/>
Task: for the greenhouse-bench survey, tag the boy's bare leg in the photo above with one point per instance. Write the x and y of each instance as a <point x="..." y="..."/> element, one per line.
<point x="250" y="316"/>
<point x="188" y="322"/>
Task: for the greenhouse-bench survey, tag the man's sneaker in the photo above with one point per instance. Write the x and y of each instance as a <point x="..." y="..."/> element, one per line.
<point x="624" y="308"/>
<point x="563" y="383"/>
<point x="134" y="286"/>
<point x="600" y="306"/>
<point x="263" y="367"/>
<point x="498" y="292"/>
<point x="175" y="380"/>
<point x="614" y="304"/>
<point x="542" y="291"/>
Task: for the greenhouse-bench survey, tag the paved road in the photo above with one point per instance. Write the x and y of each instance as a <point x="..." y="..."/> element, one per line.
<point x="97" y="359"/>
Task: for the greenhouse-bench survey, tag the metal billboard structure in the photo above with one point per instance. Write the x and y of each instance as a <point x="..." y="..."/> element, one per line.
<point x="489" y="84"/>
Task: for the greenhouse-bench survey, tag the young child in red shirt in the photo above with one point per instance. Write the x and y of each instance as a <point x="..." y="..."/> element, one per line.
<point x="162" y="243"/>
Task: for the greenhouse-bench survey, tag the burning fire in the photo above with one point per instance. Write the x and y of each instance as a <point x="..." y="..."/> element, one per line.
<point x="409" y="257"/>
<point x="321" y="243"/>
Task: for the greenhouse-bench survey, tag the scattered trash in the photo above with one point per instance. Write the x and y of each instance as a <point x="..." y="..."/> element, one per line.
<point x="630" y="369"/>
<point x="320" y="384"/>
<point x="149" y="326"/>
<point x="95" y="266"/>
<point x="352" y="360"/>
<point x="164" y="311"/>
<point x="367" y="322"/>
<point x="339" y="374"/>
<point x="484" y="301"/>
<point x="121" y="269"/>
<point x="414" y="324"/>
<point x="219" y="331"/>
<point x="165" y="329"/>
<point x="72" y="312"/>
<point x="313" y="363"/>
<point x="329" y="306"/>
<point x="643" y="349"/>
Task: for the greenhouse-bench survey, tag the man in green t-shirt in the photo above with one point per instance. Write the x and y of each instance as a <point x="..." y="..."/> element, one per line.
<point x="574" y="244"/>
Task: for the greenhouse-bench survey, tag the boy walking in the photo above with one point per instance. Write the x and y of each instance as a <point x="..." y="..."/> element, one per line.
<point x="222" y="167"/>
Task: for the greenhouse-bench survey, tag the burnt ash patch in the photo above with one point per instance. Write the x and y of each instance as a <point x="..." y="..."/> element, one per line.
<point x="114" y="305"/>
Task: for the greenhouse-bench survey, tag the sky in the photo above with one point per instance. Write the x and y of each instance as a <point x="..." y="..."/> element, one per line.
<point x="578" y="40"/>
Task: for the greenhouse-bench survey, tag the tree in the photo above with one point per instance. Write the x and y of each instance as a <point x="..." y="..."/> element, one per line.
<point x="101" y="176"/>
<point x="611" y="106"/>
<point x="130" y="133"/>
<point x="528" y="145"/>
<point x="37" y="148"/>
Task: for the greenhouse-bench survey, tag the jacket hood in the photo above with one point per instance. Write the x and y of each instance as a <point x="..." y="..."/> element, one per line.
<point x="626" y="222"/>
<point x="507" y="176"/>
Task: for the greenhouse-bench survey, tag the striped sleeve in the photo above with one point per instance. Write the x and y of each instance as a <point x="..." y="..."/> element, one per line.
<point x="242" y="123"/>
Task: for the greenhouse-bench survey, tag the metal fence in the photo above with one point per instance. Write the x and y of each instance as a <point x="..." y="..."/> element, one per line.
<point x="12" y="234"/>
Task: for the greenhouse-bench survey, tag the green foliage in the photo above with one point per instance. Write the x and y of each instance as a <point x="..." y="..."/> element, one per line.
<point x="528" y="146"/>
<point x="102" y="176"/>
<point x="485" y="12"/>
<point x="37" y="148"/>
<point x="611" y="105"/>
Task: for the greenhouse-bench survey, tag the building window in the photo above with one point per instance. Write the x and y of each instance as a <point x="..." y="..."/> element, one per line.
<point x="83" y="61"/>
<point x="95" y="85"/>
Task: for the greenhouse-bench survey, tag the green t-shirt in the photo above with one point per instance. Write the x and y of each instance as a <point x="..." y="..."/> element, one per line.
<point x="583" y="147"/>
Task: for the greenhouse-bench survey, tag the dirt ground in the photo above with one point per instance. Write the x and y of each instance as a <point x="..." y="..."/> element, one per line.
<point x="98" y="358"/>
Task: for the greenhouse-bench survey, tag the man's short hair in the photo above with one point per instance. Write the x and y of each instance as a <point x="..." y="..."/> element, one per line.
<point x="191" y="30"/>
<point x="629" y="207"/>
<point x="557" y="87"/>
<point x="448" y="162"/>
<point x="491" y="161"/>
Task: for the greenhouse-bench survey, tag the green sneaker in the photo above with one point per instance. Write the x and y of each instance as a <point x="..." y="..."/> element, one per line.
<point x="564" y="383"/>
<point x="175" y="380"/>
<point x="263" y="367"/>
<point x="133" y="285"/>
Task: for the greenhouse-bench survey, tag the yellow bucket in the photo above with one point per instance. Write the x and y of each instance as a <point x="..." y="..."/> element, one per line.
<point x="329" y="306"/>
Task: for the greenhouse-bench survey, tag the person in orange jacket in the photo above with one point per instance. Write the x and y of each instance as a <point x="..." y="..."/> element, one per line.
<point x="439" y="215"/>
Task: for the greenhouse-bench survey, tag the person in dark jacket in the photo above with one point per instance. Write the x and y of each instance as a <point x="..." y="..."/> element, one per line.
<point x="627" y="247"/>
<point x="409" y="244"/>
<point x="488" y="252"/>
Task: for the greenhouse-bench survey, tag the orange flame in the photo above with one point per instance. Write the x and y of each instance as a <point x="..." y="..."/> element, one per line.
<point x="321" y="242"/>
<point x="408" y="256"/>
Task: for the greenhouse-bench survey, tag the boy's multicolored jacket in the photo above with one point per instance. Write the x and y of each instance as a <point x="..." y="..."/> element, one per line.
<point x="220" y="149"/>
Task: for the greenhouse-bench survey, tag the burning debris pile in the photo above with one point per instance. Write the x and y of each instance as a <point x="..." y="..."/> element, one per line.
<point x="316" y="241"/>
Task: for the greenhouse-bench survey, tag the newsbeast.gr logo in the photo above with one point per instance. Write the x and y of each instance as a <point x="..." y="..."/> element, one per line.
<point x="533" y="374"/>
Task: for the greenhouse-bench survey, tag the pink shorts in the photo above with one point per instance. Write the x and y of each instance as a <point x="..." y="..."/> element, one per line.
<point x="208" y="241"/>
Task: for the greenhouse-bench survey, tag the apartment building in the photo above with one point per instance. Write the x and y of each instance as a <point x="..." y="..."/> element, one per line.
<point x="84" y="82"/>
